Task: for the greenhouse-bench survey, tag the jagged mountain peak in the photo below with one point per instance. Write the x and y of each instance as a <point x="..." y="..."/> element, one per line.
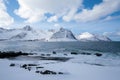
<point x="62" y="29"/>
<point x="63" y="34"/>
<point x="27" y="28"/>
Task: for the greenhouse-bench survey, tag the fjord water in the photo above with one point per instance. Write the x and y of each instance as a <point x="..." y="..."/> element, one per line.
<point x="37" y="46"/>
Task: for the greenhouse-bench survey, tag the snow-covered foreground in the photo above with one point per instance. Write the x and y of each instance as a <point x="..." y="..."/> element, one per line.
<point x="73" y="69"/>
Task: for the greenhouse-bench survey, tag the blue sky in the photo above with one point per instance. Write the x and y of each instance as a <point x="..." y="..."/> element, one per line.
<point x="94" y="16"/>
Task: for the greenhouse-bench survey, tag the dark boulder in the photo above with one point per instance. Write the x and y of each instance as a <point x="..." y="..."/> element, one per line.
<point x="37" y="71"/>
<point x="85" y="53"/>
<point x="65" y="54"/>
<point x="39" y="67"/>
<point x="29" y="68"/>
<point x="74" y="53"/>
<point x="42" y="54"/>
<point x="48" y="72"/>
<point x="60" y="73"/>
<point x="48" y="54"/>
<point x="24" y="66"/>
<point x="12" y="64"/>
<point x="98" y="54"/>
<point x="32" y="64"/>
<point x="54" y="52"/>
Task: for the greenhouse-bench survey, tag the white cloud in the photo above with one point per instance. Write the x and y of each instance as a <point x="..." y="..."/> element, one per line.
<point x="53" y="19"/>
<point x="108" y="18"/>
<point x="5" y="18"/>
<point x="107" y="33"/>
<point x="117" y="33"/>
<point x="111" y="18"/>
<point x="70" y="15"/>
<point x="34" y="11"/>
<point x="99" y="11"/>
<point x="57" y="25"/>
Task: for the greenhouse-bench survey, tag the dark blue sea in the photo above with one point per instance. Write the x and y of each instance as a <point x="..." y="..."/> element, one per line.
<point x="37" y="46"/>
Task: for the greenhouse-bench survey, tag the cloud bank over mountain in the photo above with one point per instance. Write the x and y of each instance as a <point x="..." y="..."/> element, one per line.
<point x="54" y="11"/>
<point x="36" y="10"/>
<point x="67" y="10"/>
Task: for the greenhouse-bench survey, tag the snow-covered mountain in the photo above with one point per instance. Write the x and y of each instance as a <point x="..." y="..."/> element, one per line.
<point x="86" y="36"/>
<point x="28" y="33"/>
<point x="25" y="33"/>
<point x="63" y="35"/>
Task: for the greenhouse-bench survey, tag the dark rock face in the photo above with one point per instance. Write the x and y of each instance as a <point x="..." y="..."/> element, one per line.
<point x="27" y="28"/>
<point x="63" y="33"/>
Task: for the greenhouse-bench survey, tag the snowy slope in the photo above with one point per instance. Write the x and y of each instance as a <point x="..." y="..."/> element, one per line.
<point x="103" y="38"/>
<point x="92" y="37"/>
<point x="73" y="69"/>
<point x="63" y="35"/>
<point x="8" y="33"/>
<point x="87" y="37"/>
<point x="25" y="33"/>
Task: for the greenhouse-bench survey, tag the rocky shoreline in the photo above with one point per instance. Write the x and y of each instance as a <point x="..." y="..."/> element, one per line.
<point x="11" y="54"/>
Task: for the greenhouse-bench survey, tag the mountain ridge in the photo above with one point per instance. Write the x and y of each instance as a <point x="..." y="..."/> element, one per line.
<point x="28" y="33"/>
<point x="86" y="36"/>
